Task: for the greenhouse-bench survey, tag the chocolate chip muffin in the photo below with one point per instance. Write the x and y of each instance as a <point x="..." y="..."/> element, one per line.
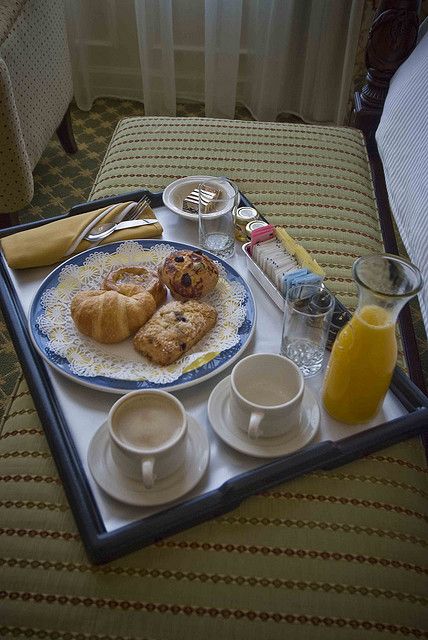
<point x="188" y="274"/>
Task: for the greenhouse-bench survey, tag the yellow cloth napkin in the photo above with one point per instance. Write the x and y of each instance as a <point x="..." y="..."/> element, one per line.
<point x="49" y="243"/>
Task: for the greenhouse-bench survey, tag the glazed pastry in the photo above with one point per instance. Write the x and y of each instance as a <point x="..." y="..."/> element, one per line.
<point x="174" y="329"/>
<point x="133" y="280"/>
<point x="188" y="274"/>
<point x="109" y="316"/>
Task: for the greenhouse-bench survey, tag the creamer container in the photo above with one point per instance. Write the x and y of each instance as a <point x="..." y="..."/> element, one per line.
<point x="243" y="216"/>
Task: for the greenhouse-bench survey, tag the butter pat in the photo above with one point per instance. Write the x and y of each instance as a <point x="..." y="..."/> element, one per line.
<point x="208" y="198"/>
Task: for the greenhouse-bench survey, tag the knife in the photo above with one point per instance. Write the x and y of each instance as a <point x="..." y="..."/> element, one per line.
<point x="94" y="223"/>
<point x="109" y="228"/>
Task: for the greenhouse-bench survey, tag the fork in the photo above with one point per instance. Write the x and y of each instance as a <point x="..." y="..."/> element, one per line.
<point x="103" y="230"/>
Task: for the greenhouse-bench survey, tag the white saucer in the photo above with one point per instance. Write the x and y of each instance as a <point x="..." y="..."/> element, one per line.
<point x="174" y="194"/>
<point x="117" y="485"/>
<point x="222" y="423"/>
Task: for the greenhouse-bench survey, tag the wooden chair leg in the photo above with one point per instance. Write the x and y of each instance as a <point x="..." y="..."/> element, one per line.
<point x="6" y="220"/>
<point x="65" y="133"/>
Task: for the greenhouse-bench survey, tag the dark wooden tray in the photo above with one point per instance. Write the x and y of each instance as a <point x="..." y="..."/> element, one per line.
<point x="103" y="546"/>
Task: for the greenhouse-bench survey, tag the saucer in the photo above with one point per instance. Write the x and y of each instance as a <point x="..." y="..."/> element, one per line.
<point x="107" y="475"/>
<point x="222" y="423"/>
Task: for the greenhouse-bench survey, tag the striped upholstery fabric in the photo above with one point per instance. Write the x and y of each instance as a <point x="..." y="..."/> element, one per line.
<point x="333" y="555"/>
<point x="314" y="180"/>
<point x="404" y="127"/>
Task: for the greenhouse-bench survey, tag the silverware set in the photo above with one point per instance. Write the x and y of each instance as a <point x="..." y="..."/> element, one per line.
<point x="97" y="230"/>
<point x="130" y="219"/>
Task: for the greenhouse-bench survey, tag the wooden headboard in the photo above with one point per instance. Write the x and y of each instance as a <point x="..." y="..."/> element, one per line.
<point x="391" y="39"/>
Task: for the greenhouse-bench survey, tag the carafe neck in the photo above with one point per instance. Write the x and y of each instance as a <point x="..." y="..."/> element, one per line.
<point x="385" y="282"/>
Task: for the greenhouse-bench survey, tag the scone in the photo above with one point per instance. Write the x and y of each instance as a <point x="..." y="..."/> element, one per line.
<point x="109" y="316"/>
<point x="188" y="274"/>
<point x="174" y="329"/>
<point x="133" y="280"/>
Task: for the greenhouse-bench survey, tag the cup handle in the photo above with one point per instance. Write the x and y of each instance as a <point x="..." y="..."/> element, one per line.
<point x="147" y="473"/>
<point x="253" y="426"/>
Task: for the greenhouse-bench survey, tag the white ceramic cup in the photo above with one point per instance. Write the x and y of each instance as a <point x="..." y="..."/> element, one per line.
<point x="266" y="393"/>
<point x="148" y="432"/>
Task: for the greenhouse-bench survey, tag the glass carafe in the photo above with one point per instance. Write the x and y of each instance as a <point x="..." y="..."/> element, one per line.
<point x="364" y="354"/>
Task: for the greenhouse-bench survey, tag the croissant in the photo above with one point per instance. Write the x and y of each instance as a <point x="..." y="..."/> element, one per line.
<point x="109" y="316"/>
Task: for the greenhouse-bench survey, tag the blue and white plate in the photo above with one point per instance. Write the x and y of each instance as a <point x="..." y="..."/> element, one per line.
<point x="119" y="368"/>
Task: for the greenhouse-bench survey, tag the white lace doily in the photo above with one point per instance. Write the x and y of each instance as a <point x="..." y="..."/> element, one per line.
<point x="89" y="358"/>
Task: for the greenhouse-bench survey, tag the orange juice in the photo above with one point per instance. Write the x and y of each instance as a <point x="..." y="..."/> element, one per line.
<point x="361" y="366"/>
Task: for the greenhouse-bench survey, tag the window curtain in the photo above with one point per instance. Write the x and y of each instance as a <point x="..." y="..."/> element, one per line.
<point x="272" y="56"/>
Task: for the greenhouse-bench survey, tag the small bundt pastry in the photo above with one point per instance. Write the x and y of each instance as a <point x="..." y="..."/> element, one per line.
<point x="109" y="316"/>
<point x="188" y="274"/>
<point x="132" y="280"/>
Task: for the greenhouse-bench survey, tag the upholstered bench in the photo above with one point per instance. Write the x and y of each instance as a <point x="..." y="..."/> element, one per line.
<point x="315" y="180"/>
<point x="334" y="554"/>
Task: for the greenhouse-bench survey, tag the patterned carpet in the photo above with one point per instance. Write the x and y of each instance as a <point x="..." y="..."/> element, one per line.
<point x="62" y="180"/>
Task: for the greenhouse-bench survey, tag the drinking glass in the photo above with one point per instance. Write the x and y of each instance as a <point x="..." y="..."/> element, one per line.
<point x="217" y="219"/>
<point x="307" y="316"/>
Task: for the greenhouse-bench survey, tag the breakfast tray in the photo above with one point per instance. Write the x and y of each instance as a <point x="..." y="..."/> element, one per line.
<point x="103" y="544"/>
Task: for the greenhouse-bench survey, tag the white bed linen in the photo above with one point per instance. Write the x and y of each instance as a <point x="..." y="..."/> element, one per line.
<point x="402" y="139"/>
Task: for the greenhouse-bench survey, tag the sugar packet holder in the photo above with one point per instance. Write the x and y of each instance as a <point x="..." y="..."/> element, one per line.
<point x="282" y="260"/>
<point x="340" y="315"/>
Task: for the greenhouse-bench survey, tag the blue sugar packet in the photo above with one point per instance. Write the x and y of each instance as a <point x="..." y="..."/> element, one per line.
<point x="288" y="279"/>
<point x="308" y="278"/>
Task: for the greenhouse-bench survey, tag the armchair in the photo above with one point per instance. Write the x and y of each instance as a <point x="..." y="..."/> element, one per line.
<point x="35" y="93"/>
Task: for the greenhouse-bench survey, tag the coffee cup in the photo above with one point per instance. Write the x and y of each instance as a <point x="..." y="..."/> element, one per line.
<point x="266" y="393"/>
<point x="148" y="432"/>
